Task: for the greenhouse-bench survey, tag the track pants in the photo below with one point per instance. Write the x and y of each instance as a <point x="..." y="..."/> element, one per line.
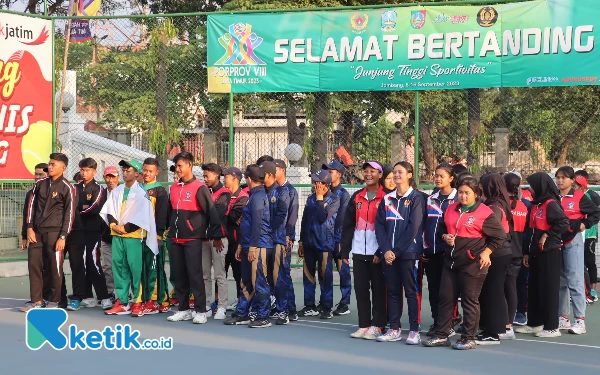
<point x="544" y="281"/>
<point x="290" y="294"/>
<point x="149" y="274"/>
<point x="78" y="281"/>
<point x="494" y="310"/>
<point x="127" y="254"/>
<point x="46" y="243"/>
<point x="370" y="290"/>
<point x="510" y="288"/>
<point x="236" y="266"/>
<point x="314" y="258"/>
<point x="106" y="260"/>
<point x="589" y="258"/>
<point x="468" y="286"/>
<point x="187" y="264"/>
<point x="403" y="274"/>
<point x="94" y="276"/>
<point x="522" y="286"/>
<point x="281" y="281"/>
<point x="345" y="278"/>
<point x="161" y="289"/>
<point x="255" y="288"/>
<point x="572" y="281"/>
<point x="213" y="262"/>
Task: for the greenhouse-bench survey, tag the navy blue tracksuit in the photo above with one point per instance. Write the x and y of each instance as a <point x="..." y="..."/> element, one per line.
<point x="343" y="268"/>
<point x="399" y="228"/>
<point x="317" y="234"/>
<point x="255" y="233"/>
<point x="290" y="233"/>
<point x="279" y="201"/>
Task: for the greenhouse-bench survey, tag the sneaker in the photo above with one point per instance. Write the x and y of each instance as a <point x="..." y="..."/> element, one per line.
<point x="326" y="314"/>
<point x="233" y="306"/>
<point x="451" y="333"/>
<point x="436" y="341"/>
<point x="563" y="323"/>
<point x="464" y="345"/>
<point x="589" y="300"/>
<point x="414" y="338"/>
<point x="359" y="333"/>
<point x="118" y="309"/>
<point x="89" y="302"/>
<point x="578" y="328"/>
<point x="373" y="333"/>
<point x="252" y="315"/>
<point x="173" y="302"/>
<point x="457" y="321"/>
<point x="221" y="314"/>
<point x="273" y="302"/>
<point x="282" y="319"/>
<point x="52" y="305"/>
<point x="431" y="331"/>
<point x="594" y="295"/>
<point x="509" y="335"/>
<point x="106" y="304"/>
<point x="342" y="309"/>
<point x="309" y="311"/>
<point x="237" y="321"/>
<point x="137" y="310"/>
<point x="293" y="316"/>
<point x="520" y="319"/>
<point x="260" y="323"/>
<point x="199" y="318"/>
<point x="165" y="307"/>
<point x="150" y="308"/>
<point x="320" y="307"/>
<point x="180" y="316"/>
<point x="548" y="333"/>
<point x="274" y="314"/>
<point x="390" y="336"/>
<point x="485" y="339"/>
<point x="74" y="305"/>
<point x="529" y="329"/>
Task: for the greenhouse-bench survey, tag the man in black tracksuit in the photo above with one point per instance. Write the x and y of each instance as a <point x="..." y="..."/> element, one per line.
<point x="50" y="217"/>
<point x="92" y="197"/>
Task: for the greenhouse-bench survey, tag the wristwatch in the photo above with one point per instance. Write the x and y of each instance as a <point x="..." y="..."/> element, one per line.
<point x="62" y="237"/>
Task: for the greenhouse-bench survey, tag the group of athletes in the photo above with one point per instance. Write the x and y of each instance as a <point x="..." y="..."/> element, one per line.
<point x="510" y="256"/>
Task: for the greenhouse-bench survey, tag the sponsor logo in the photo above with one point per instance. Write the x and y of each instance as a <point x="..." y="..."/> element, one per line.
<point x="540" y="214"/>
<point x="571" y="205"/>
<point x="532" y="80"/>
<point x="579" y="79"/>
<point x="54" y="194"/>
<point x="388" y="21"/>
<point x="470" y="220"/>
<point x="454" y="19"/>
<point x="487" y="16"/>
<point x="359" y="205"/>
<point x="18" y="32"/>
<point x="417" y="18"/>
<point x="89" y="197"/>
<point x="44" y="326"/>
<point x="359" y="22"/>
<point x="188" y="195"/>
<point x="240" y="44"/>
<point x="273" y="199"/>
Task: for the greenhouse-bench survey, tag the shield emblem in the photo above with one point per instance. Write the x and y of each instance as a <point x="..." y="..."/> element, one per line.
<point x="388" y="21"/>
<point x="417" y="18"/>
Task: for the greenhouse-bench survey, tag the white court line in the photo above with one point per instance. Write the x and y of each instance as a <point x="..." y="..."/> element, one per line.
<point x="406" y="330"/>
<point x="15" y="299"/>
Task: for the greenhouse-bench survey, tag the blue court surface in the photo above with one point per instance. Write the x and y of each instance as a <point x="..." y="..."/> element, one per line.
<point x="309" y="346"/>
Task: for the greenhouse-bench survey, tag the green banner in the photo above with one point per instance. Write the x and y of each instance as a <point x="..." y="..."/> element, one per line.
<point x="536" y="43"/>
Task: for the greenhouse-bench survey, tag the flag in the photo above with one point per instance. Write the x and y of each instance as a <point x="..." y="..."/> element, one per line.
<point x="80" y="29"/>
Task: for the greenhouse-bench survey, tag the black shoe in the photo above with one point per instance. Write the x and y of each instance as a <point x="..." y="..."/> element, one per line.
<point x="274" y="314"/>
<point x="486" y="339"/>
<point x="260" y="323"/>
<point x="293" y="316"/>
<point x="464" y="345"/>
<point x="436" y="341"/>
<point x="342" y="309"/>
<point x="309" y="311"/>
<point x="252" y="315"/>
<point x="282" y="319"/>
<point x="234" y="314"/>
<point x="326" y="314"/>
<point x="431" y="331"/>
<point x="237" y="320"/>
<point x="320" y="307"/>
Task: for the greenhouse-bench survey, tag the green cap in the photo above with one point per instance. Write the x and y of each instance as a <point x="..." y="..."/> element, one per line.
<point x="131" y="164"/>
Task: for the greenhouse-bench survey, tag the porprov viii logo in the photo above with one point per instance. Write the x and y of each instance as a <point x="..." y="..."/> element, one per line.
<point x="43" y="326"/>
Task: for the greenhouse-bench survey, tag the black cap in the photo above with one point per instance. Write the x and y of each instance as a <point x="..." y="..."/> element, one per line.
<point x="335" y="165"/>
<point x="235" y="172"/>
<point x="321" y="176"/>
<point x="280" y="163"/>
<point x="255" y="173"/>
<point x="269" y="167"/>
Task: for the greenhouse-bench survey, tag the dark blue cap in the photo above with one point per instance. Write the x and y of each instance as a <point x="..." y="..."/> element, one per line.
<point x="321" y="176"/>
<point x="336" y="165"/>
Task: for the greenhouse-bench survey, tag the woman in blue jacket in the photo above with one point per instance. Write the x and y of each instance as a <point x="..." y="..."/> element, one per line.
<point x="399" y="232"/>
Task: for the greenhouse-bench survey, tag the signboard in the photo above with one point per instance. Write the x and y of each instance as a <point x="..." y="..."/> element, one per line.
<point x="25" y="95"/>
<point x="536" y="43"/>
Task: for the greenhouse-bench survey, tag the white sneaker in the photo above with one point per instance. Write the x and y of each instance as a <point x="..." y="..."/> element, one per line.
<point x="578" y="328"/>
<point x="221" y="314"/>
<point x="233" y="306"/>
<point x="373" y="333"/>
<point x="390" y="336"/>
<point x="529" y="329"/>
<point x="199" y="318"/>
<point x="107" y="304"/>
<point x="208" y="312"/>
<point x="563" y="323"/>
<point x="359" y="333"/>
<point x="414" y="338"/>
<point x="509" y="335"/>
<point x="89" y="302"/>
<point x="180" y="316"/>
<point x="548" y="333"/>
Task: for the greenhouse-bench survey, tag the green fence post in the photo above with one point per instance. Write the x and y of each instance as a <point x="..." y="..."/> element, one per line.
<point x="46" y="10"/>
<point x="417" y="143"/>
<point x="231" y="135"/>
